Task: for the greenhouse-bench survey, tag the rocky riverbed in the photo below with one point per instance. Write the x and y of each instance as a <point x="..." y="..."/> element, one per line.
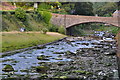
<point x="83" y="58"/>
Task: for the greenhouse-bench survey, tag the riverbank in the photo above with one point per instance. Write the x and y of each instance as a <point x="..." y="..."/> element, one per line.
<point x="18" y="40"/>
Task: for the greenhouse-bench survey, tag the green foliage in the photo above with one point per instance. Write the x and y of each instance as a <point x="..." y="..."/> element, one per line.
<point x="44" y="7"/>
<point x="10" y="23"/>
<point x="118" y="4"/>
<point x="106" y="9"/>
<point x="61" y="30"/>
<point x="53" y="28"/>
<point x="77" y="31"/>
<point x="69" y="7"/>
<point x="45" y="16"/>
<point x="58" y="3"/>
<point x="44" y="30"/>
<point x="32" y="23"/>
<point x="20" y="14"/>
<point x="59" y="11"/>
<point x="115" y="30"/>
<point x="84" y="8"/>
<point x="20" y="4"/>
<point x="97" y="5"/>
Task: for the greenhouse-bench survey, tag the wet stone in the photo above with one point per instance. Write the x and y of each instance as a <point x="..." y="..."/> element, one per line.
<point x="42" y="57"/>
<point x="42" y="69"/>
<point x="41" y="47"/>
<point x="58" y="58"/>
<point x="58" y="52"/>
<point x="8" y="68"/>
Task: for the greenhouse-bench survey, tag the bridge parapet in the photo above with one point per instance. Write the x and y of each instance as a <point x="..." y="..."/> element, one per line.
<point x="71" y="20"/>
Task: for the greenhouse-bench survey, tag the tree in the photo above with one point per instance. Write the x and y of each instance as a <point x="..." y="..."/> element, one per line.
<point x="106" y="9"/>
<point x="68" y="7"/>
<point x="118" y="4"/>
<point x="83" y="8"/>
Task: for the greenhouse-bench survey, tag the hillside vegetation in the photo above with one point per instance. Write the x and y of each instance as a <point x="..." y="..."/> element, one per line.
<point x="11" y="23"/>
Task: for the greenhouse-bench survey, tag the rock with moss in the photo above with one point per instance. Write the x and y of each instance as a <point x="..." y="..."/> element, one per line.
<point x="41" y="47"/>
<point x="43" y="76"/>
<point x="58" y="58"/>
<point x="82" y="72"/>
<point x="42" y="57"/>
<point x="8" y="68"/>
<point x="60" y="63"/>
<point x="68" y="53"/>
<point x="42" y="69"/>
<point x="63" y="77"/>
<point x="25" y="70"/>
<point x="58" y="52"/>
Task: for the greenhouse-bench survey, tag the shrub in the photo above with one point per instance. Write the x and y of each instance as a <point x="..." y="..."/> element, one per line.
<point x="53" y="28"/>
<point x="44" y="6"/>
<point x="45" y="16"/>
<point x="44" y="30"/>
<point x="20" y="14"/>
<point x="61" y="30"/>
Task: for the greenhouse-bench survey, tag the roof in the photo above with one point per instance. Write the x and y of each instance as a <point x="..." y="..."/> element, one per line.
<point x="116" y="13"/>
<point x="7" y="6"/>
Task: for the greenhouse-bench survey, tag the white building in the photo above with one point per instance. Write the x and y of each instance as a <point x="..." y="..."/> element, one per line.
<point x="116" y="13"/>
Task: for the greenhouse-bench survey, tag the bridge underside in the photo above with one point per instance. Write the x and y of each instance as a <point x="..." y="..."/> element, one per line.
<point x="72" y="25"/>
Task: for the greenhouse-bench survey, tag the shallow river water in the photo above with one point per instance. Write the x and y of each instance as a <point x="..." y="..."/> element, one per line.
<point x="96" y="56"/>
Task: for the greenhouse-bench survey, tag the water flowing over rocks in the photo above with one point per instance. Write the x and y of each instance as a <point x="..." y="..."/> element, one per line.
<point x="83" y="58"/>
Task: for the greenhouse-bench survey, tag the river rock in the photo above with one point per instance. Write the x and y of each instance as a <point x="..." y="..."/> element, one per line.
<point x="42" y="57"/>
<point x="8" y="68"/>
<point x="42" y="69"/>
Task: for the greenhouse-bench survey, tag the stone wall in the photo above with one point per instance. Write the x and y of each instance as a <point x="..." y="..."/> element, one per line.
<point x="71" y="20"/>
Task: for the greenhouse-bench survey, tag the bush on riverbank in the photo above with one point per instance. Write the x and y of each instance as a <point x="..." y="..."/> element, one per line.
<point x="44" y="30"/>
<point x="61" y="30"/>
<point x="53" y="28"/>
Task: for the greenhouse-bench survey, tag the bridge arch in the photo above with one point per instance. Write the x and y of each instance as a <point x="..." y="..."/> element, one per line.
<point x="70" y="29"/>
<point x="72" y="25"/>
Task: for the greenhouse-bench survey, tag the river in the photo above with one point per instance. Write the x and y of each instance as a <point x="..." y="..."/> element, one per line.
<point x="84" y="58"/>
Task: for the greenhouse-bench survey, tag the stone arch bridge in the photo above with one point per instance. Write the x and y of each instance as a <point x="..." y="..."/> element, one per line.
<point x="72" y="20"/>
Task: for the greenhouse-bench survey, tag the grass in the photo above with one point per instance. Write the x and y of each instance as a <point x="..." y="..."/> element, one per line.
<point x="13" y="41"/>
